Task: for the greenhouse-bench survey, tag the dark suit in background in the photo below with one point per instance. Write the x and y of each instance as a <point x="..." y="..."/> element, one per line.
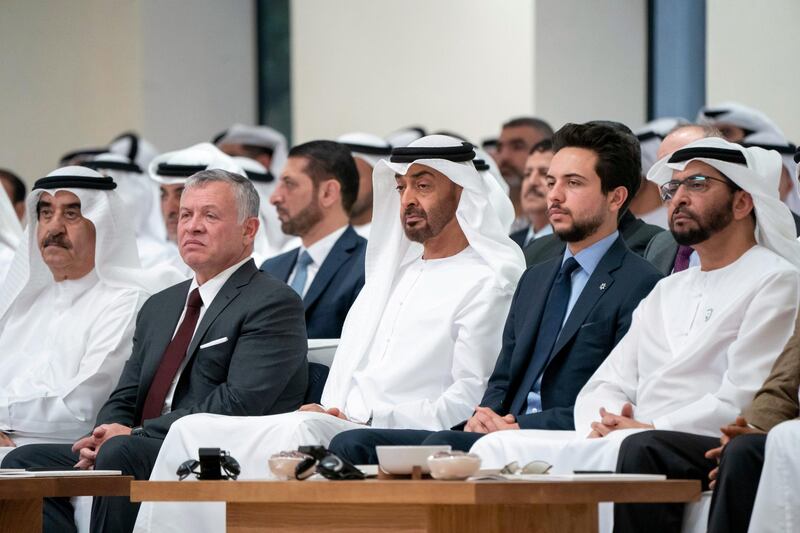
<point x="334" y="288"/>
<point x="599" y="319"/>
<point x="635" y="232"/>
<point x="260" y="369"/>
<point x="519" y="236"/>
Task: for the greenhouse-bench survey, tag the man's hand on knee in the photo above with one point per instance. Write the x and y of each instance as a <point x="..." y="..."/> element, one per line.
<point x="88" y="446"/>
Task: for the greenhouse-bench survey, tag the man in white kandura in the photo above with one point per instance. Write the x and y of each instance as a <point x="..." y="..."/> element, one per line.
<point x="702" y="343"/>
<point x="419" y="342"/>
<point x="67" y="309"/>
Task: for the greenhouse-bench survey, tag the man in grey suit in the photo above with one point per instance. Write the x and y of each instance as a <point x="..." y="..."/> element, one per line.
<point x="229" y="341"/>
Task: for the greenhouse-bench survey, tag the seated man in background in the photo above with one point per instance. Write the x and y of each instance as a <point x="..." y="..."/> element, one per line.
<point x="533" y="195"/>
<point x="704" y="340"/>
<point x="417" y="346"/>
<point x="567" y="313"/>
<point x="367" y="150"/>
<point x="315" y="192"/>
<point x="68" y="309"/>
<point x="229" y="341"/>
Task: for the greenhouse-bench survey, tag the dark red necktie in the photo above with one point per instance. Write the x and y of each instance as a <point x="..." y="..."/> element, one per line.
<point x="172" y="358"/>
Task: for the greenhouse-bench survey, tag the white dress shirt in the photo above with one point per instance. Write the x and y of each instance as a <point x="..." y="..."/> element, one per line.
<point x="208" y="291"/>
<point x="318" y="252"/>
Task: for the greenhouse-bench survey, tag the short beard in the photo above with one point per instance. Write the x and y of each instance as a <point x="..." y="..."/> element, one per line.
<point x="303" y="221"/>
<point x="581" y="229"/>
<point x="435" y="220"/>
<point x="715" y="221"/>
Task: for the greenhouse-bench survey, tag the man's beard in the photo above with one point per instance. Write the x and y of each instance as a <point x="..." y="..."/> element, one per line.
<point x="307" y="218"/>
<point x="713" y="222"/>
<point x="435" y="220"/>
<point x="580" y="229"/>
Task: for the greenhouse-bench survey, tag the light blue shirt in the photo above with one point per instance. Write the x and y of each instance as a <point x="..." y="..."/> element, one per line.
<point x="588" y="259"/>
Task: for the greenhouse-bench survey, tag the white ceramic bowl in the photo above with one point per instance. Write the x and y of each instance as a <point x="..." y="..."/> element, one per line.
<point x="454" y="466"/>
<point x="283" y="466"/>
<point x="402" y="459"/>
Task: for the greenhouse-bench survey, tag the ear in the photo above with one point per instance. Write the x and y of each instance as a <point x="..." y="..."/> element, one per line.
<point x="616" y="199"/>
<point x="329" y="193"/>
<point x="742" y="205"/>
<point x="249" y="229"/>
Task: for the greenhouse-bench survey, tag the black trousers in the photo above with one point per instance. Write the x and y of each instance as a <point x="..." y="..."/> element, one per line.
<point x="358" y="445"/>
<point x="134" y="456"/>
<point x="681" y="456"/>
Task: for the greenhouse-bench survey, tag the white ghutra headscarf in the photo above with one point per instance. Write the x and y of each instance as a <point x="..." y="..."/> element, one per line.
<point x="756" y="171"/>
<point x="116" y="256"/>
<point x="388" y="248"/>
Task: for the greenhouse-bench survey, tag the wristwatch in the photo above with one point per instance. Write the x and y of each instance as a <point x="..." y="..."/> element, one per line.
<point x="138" y="431"/>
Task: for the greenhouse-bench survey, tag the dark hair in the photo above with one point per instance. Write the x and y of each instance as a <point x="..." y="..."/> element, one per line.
<point x="545" y="145"/>
<point x="619" y="157"/>
<point x="17" y="185"/>
<point x="329" y="159"/>
<point x="530" y="122"/>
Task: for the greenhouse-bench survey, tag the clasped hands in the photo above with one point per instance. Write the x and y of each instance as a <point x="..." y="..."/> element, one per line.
<point x="610" y="422"/>
<point x="484" y="420"/>
<point x="88" y="446"/>
<point x="739" y="427"/>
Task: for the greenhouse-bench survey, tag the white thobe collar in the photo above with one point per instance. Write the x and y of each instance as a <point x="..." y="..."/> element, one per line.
<point x="68" y="291"/>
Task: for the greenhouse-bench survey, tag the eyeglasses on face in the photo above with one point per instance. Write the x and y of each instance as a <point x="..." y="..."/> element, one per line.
<point x="693" y="184"/>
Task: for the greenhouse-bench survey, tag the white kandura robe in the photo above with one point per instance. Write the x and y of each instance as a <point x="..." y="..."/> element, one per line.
<point x="426" y="368"/>
<point x="61" y="355"/>
<point x="699" y="347"/>
<point x="777" y="505"/>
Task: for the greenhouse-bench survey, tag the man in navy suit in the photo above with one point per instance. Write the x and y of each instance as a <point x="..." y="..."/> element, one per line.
<point x="568" y="313"/>
<point x="317" y="188"/>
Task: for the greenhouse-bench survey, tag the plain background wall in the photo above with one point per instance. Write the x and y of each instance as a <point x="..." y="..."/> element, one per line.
<point x="591" y="61"/>
<point x="376" y="66"/>
<point x="75" y="74"/>
<point x="752" y="58"/>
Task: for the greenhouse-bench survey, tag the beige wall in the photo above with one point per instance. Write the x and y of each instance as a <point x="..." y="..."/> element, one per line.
<point x="464" y="65"/>
<point x="375" y="66"/>
<point x="591" y="61"/>
<point x="75" y="74"/>
<point x="751" y="58"/>
<point x="68" y="78"/>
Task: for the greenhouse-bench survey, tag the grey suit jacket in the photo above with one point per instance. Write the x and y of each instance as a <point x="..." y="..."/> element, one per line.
<point x="662" y="251"/>
<point x="260" y="369"/>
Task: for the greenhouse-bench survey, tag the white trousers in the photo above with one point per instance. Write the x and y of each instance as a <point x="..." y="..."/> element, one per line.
<point x="777" y="505"/>
<point x="251" y="440"/>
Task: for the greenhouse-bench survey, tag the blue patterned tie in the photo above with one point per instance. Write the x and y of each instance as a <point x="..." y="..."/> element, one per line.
<point x="301" y="273"/>
<point x="550" y="326"/>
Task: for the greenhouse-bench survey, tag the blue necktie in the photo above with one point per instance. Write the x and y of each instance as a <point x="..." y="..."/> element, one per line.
<point x="301" y="273"/>
<point x="550" y="326"/>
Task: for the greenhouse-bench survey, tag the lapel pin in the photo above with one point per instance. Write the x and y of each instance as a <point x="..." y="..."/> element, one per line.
<point x="602" y="286"/>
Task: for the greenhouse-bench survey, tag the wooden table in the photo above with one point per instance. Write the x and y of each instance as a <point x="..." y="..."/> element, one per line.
<point x="414" y="506"/>
<point x="21" y="499"/>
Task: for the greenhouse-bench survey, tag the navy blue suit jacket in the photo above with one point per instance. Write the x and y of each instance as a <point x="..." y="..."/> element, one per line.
<point x="334" y="288"/>
<point x="600" y="318"/>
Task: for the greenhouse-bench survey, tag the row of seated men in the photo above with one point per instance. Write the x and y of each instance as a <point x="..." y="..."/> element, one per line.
<point x="591" y="343"/>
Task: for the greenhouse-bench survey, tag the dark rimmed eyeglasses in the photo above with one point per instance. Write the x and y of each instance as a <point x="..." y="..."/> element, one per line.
<point x="693" y="184"/>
